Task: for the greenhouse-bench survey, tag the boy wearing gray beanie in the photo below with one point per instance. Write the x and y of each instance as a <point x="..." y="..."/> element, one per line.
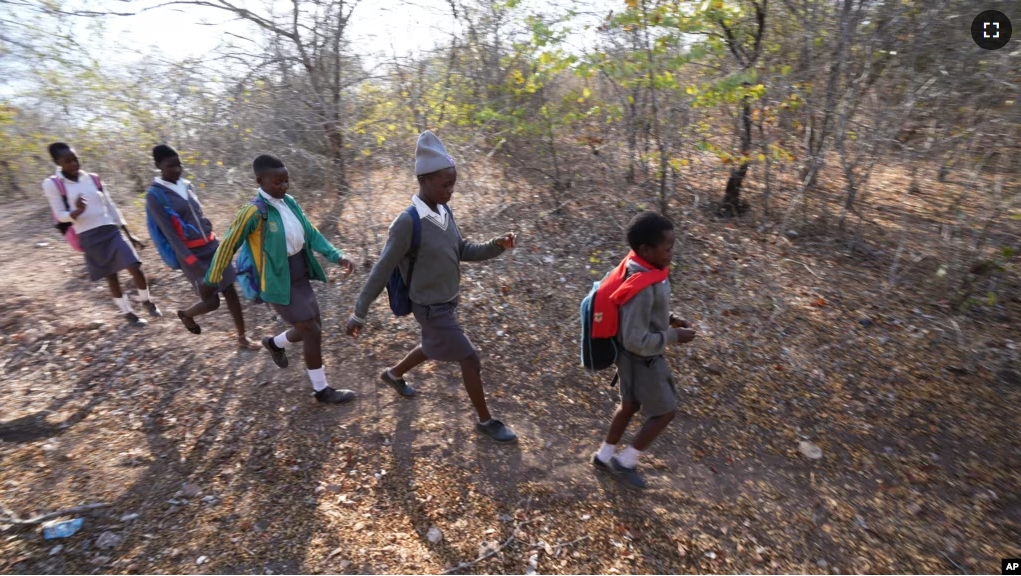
<point x="433" y="276"/>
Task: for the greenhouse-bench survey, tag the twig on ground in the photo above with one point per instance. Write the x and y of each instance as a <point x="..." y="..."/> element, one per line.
<point x="510" y="540"/>
<point x="803" y="264"/>
<point x="13" y="519"/>
<point x="575" y="541"/>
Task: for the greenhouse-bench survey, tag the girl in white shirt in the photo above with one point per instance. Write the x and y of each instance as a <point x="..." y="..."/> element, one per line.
<point x="98" y="223"/>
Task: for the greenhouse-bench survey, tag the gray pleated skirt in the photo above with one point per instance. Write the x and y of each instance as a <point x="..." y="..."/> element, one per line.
<point x="205" y="254"/>
<point x="304" y="305"/>
<point x="106" y="251"/>
<point x="442" y="337"/>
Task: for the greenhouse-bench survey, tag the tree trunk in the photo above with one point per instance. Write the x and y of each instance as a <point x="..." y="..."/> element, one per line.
<point x="732" y="204"/>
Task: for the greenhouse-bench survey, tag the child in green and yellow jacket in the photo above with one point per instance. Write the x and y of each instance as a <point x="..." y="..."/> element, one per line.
<point x="282" y="246"/>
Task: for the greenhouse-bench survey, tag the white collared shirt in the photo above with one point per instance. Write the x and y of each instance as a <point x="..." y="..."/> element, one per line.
<point x="424" y="211"/>
<point x="181" y="186"/>
<point x="293" y="230"/>
<point x="100" y="210"/>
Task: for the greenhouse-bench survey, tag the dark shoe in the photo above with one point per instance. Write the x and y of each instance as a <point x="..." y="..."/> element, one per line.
<point x="599" y="464"/>
<point x="497" y="431"/>
<point x="279" y="356"/>
<point x="398" y="384"/>
<point x="629" y="476"/>
<point x="134" y="320"/>
<point x="330" y="396"/>
<point x="189" y="323"/>
<point x="152" y="309"/>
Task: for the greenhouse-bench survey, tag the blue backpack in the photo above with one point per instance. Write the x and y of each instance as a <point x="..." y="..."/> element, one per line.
<point x="163" y="246"/>
<point x="397" y="290"/>
<point x="248" y="276"/>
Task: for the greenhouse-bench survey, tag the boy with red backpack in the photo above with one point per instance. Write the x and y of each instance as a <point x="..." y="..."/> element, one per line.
<point x="631" y="308"/>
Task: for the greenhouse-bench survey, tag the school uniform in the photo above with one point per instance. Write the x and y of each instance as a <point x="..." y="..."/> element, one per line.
<point x="282" y="248"/>
<point x="98" y="227"/>
<point x="436" y="281"/>
<point x="644" y="333"/>
<point x="196" y="248"/>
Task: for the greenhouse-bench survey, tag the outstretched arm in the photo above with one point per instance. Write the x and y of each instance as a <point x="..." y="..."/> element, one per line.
<point x="397" y="245"/>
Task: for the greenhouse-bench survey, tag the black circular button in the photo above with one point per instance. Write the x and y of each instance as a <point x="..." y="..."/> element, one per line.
<point x="991" y="30"/>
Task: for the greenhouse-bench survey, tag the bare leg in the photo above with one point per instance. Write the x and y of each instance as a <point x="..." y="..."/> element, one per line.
<point x="652" y="428"/>
<point x="621" y="418"/>
<point x="310" y="334"/>
<point x="471" y="371"/>
<point x="414" y="358"/>
<point x="115" y="286"/>
<point x="136" y="272"/>
<point x="234" y="305"/>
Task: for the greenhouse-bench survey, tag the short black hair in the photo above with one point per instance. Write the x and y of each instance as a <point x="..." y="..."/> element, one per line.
<point x="161" y="152"/>
<point x="266" y="162"/>
<point x="647" y="229"/>
<point x="58" y="148"/>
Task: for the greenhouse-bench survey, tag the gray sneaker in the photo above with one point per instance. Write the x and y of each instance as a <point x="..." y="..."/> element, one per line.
<point x="628" y="476"/>
<point x="599" y="464"/>
<point x="398" y="384"/>
<point x="331" y="396"/>
<point x="497" y="431"/>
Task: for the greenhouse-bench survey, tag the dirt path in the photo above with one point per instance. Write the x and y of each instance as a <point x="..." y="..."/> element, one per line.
<point x="231" y="467"/>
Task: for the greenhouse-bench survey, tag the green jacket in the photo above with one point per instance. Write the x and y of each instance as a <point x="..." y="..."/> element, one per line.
<point x="271" y="263"/>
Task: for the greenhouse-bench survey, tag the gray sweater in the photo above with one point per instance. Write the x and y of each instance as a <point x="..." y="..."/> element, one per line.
<point x="645" y="319"/>
<point x="437" y="275"/>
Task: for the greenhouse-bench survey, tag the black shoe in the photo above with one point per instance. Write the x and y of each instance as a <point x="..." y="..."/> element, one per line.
<point x="398" y="384"/>
<point x="497" y="431"/>
<point x="134" y="320"/>
<point x="629" y="476"/>
<point x="330" y="396"/>
<point x="599" y="464"/>
<point x="152" y="308"/>
<point x="279" y="356"/>
<point x="194" y="328"/>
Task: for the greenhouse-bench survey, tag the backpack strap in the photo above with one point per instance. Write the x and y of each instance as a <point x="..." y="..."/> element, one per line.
<point x="416" y="240"/>
<point x="59" y="183"/>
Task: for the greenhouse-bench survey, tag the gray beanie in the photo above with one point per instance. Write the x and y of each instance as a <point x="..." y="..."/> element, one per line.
<point x="430" y="155"/>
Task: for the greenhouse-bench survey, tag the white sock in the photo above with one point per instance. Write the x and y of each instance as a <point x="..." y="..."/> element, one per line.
<point x="280" y="340"/>
<point x="629" y="457"/>
<point x="143" y="294"/>
<point x="606" y="451"/>
<point x="318" y="377"/>
<point x="486" y="422"/>
<point x="123" y="305"/>
<point x="390" y="374"/>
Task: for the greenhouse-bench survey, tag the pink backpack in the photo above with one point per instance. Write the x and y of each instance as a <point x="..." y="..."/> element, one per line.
<point x="66" y="228"/>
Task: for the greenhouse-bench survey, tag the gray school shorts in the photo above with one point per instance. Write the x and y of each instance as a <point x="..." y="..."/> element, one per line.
<point x="646" y="382"/>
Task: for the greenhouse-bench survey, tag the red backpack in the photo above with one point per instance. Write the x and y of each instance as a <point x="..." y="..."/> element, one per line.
<point x="600" y="310"/>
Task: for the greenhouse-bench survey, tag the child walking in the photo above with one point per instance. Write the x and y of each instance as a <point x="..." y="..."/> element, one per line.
<point x="282" y="241"/>
<point x="646" y="328"/>
<point x="78" y="198"/>
<point x="434" y="282"/>
<point x="192" y="240"/>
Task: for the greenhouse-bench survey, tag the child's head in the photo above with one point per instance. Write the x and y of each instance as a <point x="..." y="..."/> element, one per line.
<point x="271" y="174"/>
<point x="437" y="187"/>
<point x="652" y="237"/>
<point x="435" y="169"/>
<point x="63" y="155"/>
<point x="168" y="161"/>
